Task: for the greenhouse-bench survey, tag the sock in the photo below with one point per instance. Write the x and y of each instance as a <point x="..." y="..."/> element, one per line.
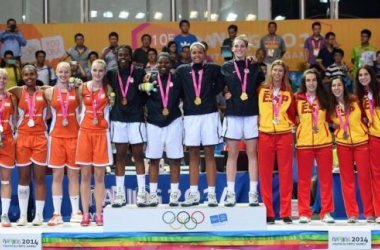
<point x="57" y="203"/>
<point x="120" y="184"/>
<point x="174" y="187"/>
<point x="193" y="189"/>
<point x="5" y="203"/>
<point x="231" y="186"/>
<point x="253" y="186"/>
<point x="40" y="207"/>
<point x="74" y="204"/>
<point x="211" y="190"/>
<point x="23" y="197"/>
<point x="153" y="187"/>
<point x="141" y="182"/>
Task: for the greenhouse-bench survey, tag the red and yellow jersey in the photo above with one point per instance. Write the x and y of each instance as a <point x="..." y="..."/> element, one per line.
<point x="357" y="130"/>
<point x="7" y="114"/>
<point x="306" y="137"/>
<point x="286" y="114"/>
<point x="57" y="129"/>
<point x="373" y="121"/>
<point x="39" y="113"/>
<point x="102" y="110"/>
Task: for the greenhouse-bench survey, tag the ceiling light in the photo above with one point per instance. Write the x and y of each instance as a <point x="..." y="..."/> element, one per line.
<point x="231" y="17"/>
<point x="94" y="13"/>
<point x="140" y="15"/>
<point x="193" y="14"/>
<point x="279" y="17"/>
<point x="123" y="14"/>
<point x="158" y="16"/>
<point x="214" y="17"/>
<point x="107" y="14"/>
<point x="251" y="17"/>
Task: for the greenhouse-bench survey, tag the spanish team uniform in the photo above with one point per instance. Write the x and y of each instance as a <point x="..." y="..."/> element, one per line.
<point x="31" y="144"/>
<point x="201" y="122"/>
<point x="240" y="121"/>
<point x="63" y="139"/>
<point x="276" y="139"/>
<point x="94" y="144"/>
<point x="374" y="145"/>
<point x="352" y="149"/>
<point x="128" y="125"/>
<point x="7" y="151"/>
<point x="313" y="144"/>
<point x="165" y="131"/>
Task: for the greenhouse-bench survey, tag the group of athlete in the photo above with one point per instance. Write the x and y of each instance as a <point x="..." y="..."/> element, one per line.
<point x="260" y="110"/>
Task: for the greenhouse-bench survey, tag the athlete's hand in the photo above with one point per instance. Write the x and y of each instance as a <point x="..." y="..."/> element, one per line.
<point x="253" y="59"/>
<point x="147" y="77"/>
<point x="227" y="95"/>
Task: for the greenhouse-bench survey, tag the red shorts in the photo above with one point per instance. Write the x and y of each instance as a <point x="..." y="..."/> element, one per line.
<point x="94" y="148"/>
<point x="31" y="148"/>
<point x="8" y="152"/>
<point x="62" y="152"/>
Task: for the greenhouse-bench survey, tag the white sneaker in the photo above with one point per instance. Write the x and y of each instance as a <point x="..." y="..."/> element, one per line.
<point x="253" y="198"/>
<point x="173" y="200"/>
<point x="212" y="201"/>
<point x="142" y="200"/>
<point x="328" y="218"/>
<point x="76" y="218"/>
<point x="5" y="222"/>
<point x="153" y="199"/>
<point x="304" y="220"/>
<point x="352" y="219"/>
<point x="38" y="220"/>
<point x="119" y="200"/>
<point x="192" y="200"/>
<point x="56" y="220"/>
<point x="22" y="221"/>
<point x="230" y="199"/>
<point x="377" y="220"/>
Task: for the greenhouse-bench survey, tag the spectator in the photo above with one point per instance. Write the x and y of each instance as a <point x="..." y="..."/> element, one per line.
<point x="140" y="56"/>
<point x="45" y="72"/>
<point x="338" y="68"/>
<point x="376" y="67"/>
<point x="232" y="33"/>
<point x="260" y="55"/>
<point x="78" y="71"/>
<point x="12" y="39"/>
<point x="273" y="44"/>
<point x="313" y="45"/>
<point x="79" y="53"/>
<point x="151" y="66"/>
<point x="207" y="57"/>
<point x="108" y="53"/>
<point x="363" y="54"/>
<point x="172" y="50"/>
<point x="185" y="38"/>
<point x="12" y="66"/>
<point x="326" y="55"/>
<point x="91" y="58"/>
<point x="185" y="56"/>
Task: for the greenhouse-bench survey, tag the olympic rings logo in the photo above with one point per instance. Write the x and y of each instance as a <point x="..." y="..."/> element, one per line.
<point x="183" y="219"/>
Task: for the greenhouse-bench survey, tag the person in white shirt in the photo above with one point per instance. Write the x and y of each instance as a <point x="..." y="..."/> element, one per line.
<point x="45" y="72"/>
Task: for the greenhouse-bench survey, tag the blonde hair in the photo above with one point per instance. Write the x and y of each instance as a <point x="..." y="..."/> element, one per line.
<point x="241" y="37"/>
<point x="4" y="72"/>
<point x="99" y="61"/>
<point x="63" y="64"/>
<point x="285" y="80"/>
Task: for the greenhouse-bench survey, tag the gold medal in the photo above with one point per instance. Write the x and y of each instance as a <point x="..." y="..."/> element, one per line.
<point x="345" y="135"/>
<point x="124" y="101"/>
<point x="165" y="111"/>
<point x="244" y="96"/>
<point x="198" y="101"/>
<point x="276" y="121"/>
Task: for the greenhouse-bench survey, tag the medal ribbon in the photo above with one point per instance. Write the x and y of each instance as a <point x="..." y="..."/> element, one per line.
<point x="371" y="105"/>
<point x="313" y="43"/>
<point x="31" y="105"/>
<point x="244" y="81"/>
<point x="197" y="86"/>
<point x="345" y="123"/>
<point x="64" y="106"/>
<point x="95" y="103"/>
<point x="276" y="105"/>
<point x="164" y="96"/>
<point x="314" y="111"/>
<point x="2" y="107"/>
<point x="124" y="91"/>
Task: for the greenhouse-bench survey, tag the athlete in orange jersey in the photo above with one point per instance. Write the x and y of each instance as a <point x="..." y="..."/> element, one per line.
<point x="31" y="145"/>
<point x="8" y="115"/>
<point x="94" y="145"/>
<point x="62" y="145"/>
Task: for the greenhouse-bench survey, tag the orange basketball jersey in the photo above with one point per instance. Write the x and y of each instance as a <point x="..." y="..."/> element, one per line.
<point x="7" y="114"/>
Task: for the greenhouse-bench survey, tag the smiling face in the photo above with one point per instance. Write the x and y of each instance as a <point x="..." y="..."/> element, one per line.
<point x="29" y="76"/>
<point x="3" y="78"/>
<point x="63" y="72"/>
<point x="164" y="65"/>
<point x="239" y="48"/>
<point x="278" y="73"/>
<point x="98" y="71"/>
<point x="364" y="77"/>
<point x="311" y="83"/>
<point x="197" y="54"/>
<point x="337" y="88"/>
<point x="124" y="58"/>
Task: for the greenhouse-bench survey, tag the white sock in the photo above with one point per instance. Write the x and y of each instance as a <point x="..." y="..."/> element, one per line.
<point x="141" y="182"/>
<point x="5" y="203"/>
<point x="40" y="207"/>
<point x="231" y="186"/>
<point x="120" y="184"/>
<point x="153" y="187"/>
<point x="211" y="190"/>
<point x="174" y="187"/>
<point x="193" y="189"/>
<point x="74" y="204"/>
<point x="23" y="197"/>
<point x="57" y="203"/>
<point x="253" y="186"/>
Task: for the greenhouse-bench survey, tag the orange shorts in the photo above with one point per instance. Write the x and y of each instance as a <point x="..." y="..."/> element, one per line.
<point x="30" y="148"/>
<point x="8" y="152"/>
<point x="94" y="148"/>
<point x="62" y="152"/>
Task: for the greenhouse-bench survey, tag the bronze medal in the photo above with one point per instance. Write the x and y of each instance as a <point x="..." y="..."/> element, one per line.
<point x="124" y="101"/>
<point x="315" y="129"/>
<point x="198" y="101"/>
<point x="165" y="111"/>
<point x="345" y="135"/>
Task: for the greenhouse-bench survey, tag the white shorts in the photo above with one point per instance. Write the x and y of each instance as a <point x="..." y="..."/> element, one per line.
<point x="240" y="127"/>
<point x="128" y="132"/>
<point x="168" y="138"/>
<point x="202" y="130"/>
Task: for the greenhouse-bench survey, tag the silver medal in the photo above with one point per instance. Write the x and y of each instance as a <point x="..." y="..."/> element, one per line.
<point x="65" y="122"/>
<point x="95" y="121"/>
<point x="276" y="121"/>
<point x="31" y="123"/>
